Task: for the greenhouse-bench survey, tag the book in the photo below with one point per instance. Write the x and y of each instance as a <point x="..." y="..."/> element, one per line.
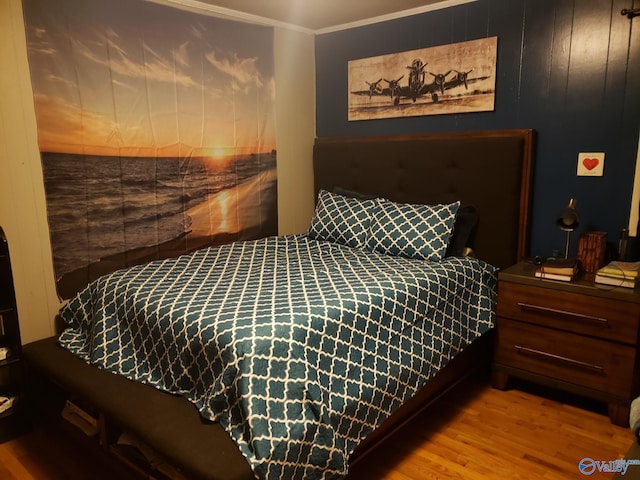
<point x="543" y="273"/>
<point x="618" y="274"/>
<point x="621" y="269"/>
<point x="559" y="266"/>
<point x="617" y="281"/>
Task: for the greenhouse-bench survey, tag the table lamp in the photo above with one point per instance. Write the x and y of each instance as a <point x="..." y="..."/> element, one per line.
<point x="568" y="220"/>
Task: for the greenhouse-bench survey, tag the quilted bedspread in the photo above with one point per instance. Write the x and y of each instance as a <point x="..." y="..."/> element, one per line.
<point x="299" y="348"/>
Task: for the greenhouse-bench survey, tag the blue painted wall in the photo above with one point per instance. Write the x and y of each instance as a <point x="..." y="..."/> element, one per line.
<point x="570" y="69"/>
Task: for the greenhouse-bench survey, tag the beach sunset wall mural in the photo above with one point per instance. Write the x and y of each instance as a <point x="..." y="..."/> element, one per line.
<point x="156" y="131"/>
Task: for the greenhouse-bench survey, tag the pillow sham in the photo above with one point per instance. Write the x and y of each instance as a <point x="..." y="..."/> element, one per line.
<point x="341" y="219"/>
<point x="408" y="230"/>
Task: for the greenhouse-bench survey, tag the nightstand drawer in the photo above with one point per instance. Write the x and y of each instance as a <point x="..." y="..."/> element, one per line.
<point x="585" y="314"/>
<point x="576" y="359"/>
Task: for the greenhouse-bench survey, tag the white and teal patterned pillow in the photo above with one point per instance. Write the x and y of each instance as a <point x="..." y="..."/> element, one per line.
<point x="341" y="219"/>
<point x="413" y="231"/>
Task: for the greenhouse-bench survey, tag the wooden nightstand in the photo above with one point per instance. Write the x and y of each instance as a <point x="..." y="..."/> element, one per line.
<point x="576" y="336"/>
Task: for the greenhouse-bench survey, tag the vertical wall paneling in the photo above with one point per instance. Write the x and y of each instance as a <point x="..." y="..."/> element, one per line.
<point x="506" y="24"/>
<point x="567" y="68"/>
<point x="537" y="57"/>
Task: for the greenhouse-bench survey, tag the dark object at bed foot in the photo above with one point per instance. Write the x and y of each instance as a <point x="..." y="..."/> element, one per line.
<point x="193" y="448"/>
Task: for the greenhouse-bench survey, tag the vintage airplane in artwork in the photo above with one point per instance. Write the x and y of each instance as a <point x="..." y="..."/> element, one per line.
<point x="417" y="86"/>
<point x="374" y="87"/>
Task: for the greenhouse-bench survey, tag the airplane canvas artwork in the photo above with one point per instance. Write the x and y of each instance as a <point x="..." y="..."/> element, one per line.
<point x="446" y="79"/>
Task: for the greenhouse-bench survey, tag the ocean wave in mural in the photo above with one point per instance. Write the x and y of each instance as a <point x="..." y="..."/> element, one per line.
<point x="156" y="131"/>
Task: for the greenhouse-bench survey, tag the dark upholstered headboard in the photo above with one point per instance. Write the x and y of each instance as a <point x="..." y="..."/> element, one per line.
<point x="490" y="170"/>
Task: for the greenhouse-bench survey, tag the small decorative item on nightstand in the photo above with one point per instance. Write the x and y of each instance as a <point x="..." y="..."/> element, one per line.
<point x="592" y="250"/>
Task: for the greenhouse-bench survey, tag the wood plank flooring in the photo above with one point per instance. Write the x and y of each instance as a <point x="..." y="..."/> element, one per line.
<point x="474" y="433"/>
<point x="482" y="433"/>
<point x="46" y="454"/>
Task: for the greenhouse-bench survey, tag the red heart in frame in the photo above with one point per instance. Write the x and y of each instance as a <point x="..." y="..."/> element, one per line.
<point x="590" y="163"/>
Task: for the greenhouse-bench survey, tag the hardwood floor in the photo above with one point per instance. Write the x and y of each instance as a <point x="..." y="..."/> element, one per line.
<point x="482" y="433"/>
<point x="46" y="454"/>
<point x="475" y="433"/>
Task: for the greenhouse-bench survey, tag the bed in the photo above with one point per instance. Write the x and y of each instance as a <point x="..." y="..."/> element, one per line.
<point x="303" y="352"/>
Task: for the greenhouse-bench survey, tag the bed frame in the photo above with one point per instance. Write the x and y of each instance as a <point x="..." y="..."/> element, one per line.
<point x="490" y="170"/>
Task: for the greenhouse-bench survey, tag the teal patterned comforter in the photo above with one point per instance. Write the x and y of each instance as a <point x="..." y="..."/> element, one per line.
<point x="298" y="348"/>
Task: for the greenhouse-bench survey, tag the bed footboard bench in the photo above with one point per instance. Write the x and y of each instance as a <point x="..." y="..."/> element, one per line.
<point x="169" y="424"/>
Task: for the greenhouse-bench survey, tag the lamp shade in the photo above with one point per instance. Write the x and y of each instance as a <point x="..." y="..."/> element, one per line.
<point x="568" y="220"/>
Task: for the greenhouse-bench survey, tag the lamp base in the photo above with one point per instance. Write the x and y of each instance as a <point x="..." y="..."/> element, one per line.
<point x="566" y="248"/>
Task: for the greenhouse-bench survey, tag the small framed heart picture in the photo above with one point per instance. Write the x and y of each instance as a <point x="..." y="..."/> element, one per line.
<point x="591" y="164"/>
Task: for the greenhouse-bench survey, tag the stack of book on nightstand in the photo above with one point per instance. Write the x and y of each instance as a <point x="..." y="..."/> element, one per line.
<point x="564" y="269"/>
<point x="619" y="274"/>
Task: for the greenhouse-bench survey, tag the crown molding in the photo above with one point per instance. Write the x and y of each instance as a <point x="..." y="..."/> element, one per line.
<point x="200" y="7"/>
<point x="393" y="16"/>
<point x="230" y="14"/>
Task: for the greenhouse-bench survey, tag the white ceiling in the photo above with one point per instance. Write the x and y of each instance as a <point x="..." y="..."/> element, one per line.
<point x="319" y="15"/>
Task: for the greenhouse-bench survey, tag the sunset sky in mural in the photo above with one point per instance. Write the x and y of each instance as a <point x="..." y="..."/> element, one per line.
<point x="158" y="84"/>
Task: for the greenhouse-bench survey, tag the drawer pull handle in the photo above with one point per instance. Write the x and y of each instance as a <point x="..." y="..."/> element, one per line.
<point x="559" y="359"/>
<point x="537" y="308"/>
